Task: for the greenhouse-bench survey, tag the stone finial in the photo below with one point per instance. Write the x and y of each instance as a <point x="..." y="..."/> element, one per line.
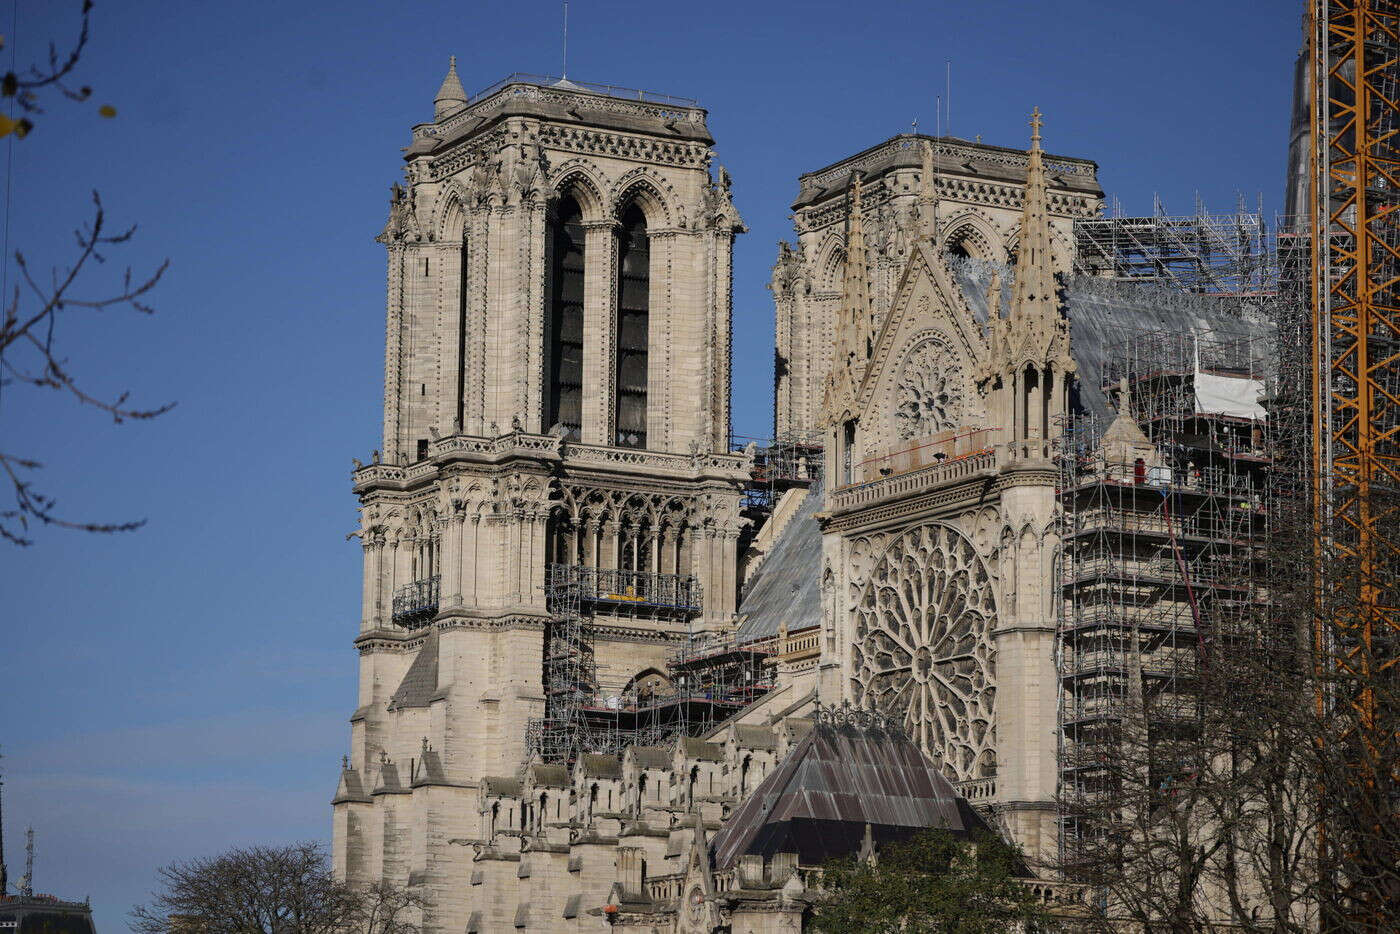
<point x="1035" y="290"/>
<point x="855" y="322"/>
<point x="451" y="97"/>
<point x="1125" y="400"/>
<point x="926" y="189"/>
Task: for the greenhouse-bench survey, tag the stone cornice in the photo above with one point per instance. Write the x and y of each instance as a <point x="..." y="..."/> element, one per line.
<point x="542" y="454"/>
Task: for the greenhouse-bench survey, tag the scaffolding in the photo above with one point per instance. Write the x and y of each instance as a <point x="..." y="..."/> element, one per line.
<point x="1164" y="548"/>
<point x="1215" y="254"/>
<point x="778" y="465"/>
<point x="706" y="683"/>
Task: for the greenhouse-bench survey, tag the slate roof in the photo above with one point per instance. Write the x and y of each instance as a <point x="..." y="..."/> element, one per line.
<point x="785" y="588"/>
<point x="350" y="788"/>
<point x="695" y="748"/>
<point x="502" y="786"/>
<point x="596" y="766"/>
<point x="420" y="682"/>
<point x="837" y="780"/>
<point x="754" y="737"/>
<point x="652" y="757"/>
<point x="389" y="783"/>
<point x="549" y="776"/>
<point x="430" y="770"/>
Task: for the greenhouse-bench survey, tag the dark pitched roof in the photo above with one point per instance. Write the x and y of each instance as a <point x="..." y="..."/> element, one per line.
<point x="837" y="780"/>
<point x="693" y="747"/>
<point x="420" y="682"/>
<point x="389" y="783"/>
<point x="785" y="588"/>
<point x="754" y="737"/>
<point x="430" y="770"/>
<point x="549" y="776"/>
<point x="502" y="786"/>
<point x="596" y="766"/>
<point x="652" y="757"/>
<point x="350" y="788"/>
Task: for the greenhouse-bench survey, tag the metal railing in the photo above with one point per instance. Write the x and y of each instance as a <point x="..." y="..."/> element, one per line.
<point x="631" y="588"/>
<point x="608" y="90"/>
<point x="416" y="603"/>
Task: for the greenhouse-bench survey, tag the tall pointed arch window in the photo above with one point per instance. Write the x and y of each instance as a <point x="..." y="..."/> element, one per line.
<point x="564" y="333"/>
<point x="633" y="310"/>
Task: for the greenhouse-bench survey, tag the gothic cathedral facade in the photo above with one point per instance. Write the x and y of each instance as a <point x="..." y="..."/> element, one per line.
<point x="557" y="395"/>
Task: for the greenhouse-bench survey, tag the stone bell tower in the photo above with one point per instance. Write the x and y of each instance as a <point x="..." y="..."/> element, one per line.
<point x="556" y="395"/>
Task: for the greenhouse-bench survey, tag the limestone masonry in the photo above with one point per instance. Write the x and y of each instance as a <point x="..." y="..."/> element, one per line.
<point x="592" y="628"/>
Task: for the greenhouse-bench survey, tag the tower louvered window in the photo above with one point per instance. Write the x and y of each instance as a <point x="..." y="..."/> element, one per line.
<point x="633" y="307"/>
<point x="564" y="336"/>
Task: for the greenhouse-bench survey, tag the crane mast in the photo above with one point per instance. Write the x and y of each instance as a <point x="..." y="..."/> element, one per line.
<point x="1353" y="202"/>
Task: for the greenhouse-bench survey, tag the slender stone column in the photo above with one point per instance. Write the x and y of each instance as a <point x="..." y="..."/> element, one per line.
<point x="393" y="343"/>
<point x="599" y="329"/>
<point x="609" y="541"/>
<point x="452" y="560"/>
<point x="590" y="543"/>
<point x="470" y="531"/>
<point x="369" y="600"/>
<point x="667" y="560"/>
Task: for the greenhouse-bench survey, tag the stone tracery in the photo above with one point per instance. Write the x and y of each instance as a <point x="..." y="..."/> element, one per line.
<point x="928" y="394"/>
<point x="923" y="648"/>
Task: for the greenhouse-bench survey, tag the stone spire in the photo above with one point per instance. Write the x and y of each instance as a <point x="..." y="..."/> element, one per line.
<point x="1035" y="291"/>
<point x="451" y="97"/>
<point x="856" y="298"/>
<point x="855" y="326"/>
<point x="928" y="191"/>
<point x="1034" y="331"/>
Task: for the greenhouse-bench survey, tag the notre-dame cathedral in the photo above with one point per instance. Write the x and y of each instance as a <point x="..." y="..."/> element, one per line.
<point x="616" y="670"/>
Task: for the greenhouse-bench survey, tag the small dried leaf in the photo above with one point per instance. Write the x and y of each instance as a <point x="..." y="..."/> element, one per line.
<point x="9" y="84"/>
<point x="23" y="127"/>
<point x="7" y="126"/>
<point x="107" y="110"/>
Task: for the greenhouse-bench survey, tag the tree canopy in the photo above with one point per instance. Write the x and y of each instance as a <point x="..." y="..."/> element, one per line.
<point x="932" y="882"/>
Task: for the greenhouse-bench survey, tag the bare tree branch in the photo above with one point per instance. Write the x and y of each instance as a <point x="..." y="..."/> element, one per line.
<point x="30" y="354"/>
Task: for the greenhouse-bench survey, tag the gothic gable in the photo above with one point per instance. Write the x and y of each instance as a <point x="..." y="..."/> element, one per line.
<point x="921" y="377"/>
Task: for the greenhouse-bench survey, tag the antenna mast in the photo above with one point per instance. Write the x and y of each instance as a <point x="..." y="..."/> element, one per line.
<point x="26" y="886"/>
<point x="948" y="97"/>
<point x="566" y="40"/>
<point x="4" y="872"/>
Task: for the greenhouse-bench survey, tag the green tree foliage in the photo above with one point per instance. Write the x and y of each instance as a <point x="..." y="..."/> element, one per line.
<point x="933" y="882"/>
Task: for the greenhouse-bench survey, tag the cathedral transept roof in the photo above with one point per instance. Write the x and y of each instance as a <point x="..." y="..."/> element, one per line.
<point x="785" y="589"/>
<point x="851" y="771"/>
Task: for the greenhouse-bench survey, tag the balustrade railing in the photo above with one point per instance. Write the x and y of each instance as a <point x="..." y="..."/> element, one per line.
<point x="622" y="588"/>
<point x="417" y="602"/>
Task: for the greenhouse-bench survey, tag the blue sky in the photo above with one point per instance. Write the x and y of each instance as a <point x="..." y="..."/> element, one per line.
<point x="174" y="691"/>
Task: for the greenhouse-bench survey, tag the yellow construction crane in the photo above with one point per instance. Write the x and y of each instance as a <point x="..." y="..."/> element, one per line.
<point x="1354" y="217"/>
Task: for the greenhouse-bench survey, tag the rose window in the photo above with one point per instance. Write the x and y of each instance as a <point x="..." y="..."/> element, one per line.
<point x="928" y="396"/>
<point x="923" y="649"/>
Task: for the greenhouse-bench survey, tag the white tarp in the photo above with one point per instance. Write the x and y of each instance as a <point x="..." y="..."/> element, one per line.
<point x="1235" y="396"/>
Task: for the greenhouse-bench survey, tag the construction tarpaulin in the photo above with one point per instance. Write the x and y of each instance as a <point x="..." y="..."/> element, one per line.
<point x="1235" y="396"/>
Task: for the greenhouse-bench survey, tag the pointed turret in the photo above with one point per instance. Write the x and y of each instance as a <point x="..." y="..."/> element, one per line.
<point x="1035" y="292"/>
<point x="855" y="326"/>
<point x="928" y="192"/>
<point x="451" y="97"/>
<point x="856" y="290"/>
<point x="1029" y="355"/>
